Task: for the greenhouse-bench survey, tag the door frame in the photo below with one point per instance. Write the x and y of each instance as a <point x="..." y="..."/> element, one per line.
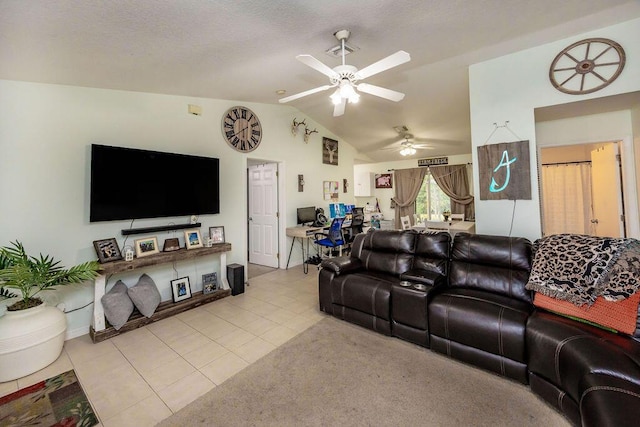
<point x="629" y="186"/>
<point x="282" y="204"/>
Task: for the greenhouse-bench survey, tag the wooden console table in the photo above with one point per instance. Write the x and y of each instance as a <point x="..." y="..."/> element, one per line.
<point x="100" y="332"/>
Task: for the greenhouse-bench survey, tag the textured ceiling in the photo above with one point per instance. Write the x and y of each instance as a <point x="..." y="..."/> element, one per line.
<point x="245" y="50"/>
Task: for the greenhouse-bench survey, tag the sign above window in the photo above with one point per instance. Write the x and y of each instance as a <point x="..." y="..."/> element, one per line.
<point x="434" y="161"/>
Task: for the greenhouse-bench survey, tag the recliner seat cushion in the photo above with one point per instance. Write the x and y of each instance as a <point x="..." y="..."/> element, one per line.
<point x="564" y="351"/>
<point x="483" y="320"/>
<point x="365" y="292"/>
<point x="608" y="401"/>
<point x="555" y="397"/>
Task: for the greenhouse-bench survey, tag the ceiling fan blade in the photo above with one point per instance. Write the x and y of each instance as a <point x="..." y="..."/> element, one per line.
<point x="338" y="110"/>
<point x="305" y="93"/>
<point x="400" y="57"/>
<point x="389" y="94"/>
<point x="317" y="65"/>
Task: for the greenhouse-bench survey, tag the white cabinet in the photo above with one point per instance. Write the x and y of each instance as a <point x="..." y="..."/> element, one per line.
<point x="363" y="184"/>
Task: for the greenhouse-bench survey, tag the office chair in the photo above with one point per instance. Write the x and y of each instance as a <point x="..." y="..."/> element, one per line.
<point x="357" y="224"/>
<point x="333" y="238"/>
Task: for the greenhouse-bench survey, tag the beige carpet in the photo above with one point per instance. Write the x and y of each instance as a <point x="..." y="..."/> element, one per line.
<point x="336" y="373"/>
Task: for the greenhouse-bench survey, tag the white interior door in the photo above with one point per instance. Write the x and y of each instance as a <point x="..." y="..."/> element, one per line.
<point x="263" y="214"/>
<point x="608" y="220"/>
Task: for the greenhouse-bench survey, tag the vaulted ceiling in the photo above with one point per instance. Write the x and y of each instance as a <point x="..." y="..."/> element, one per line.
<point x="245" y="50"/>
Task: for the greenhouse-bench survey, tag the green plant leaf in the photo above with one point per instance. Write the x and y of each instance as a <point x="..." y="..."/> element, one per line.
<point x="30" y="275"/>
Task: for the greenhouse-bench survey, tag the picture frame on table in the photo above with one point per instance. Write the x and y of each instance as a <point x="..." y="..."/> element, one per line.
<point x="209" y="283"/>
<point x="107" y="250"/>
<point x="216" y="234"/>
<point x="181" y="289"/>
<point x="146" y="246"/>
<point x="192" y="239"/>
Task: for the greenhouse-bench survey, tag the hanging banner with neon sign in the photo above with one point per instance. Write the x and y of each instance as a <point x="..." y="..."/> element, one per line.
<point x="505" y="171"/>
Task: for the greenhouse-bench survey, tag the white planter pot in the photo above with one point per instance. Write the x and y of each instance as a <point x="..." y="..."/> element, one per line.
<point x="30" y="340"/>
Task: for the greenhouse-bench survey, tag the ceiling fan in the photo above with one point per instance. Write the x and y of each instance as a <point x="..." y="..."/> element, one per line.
<point x="407" y="147"/>
<point x="344" y="77"/>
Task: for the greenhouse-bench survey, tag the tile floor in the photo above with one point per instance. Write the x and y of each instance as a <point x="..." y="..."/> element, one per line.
<point x="143" y="376"/>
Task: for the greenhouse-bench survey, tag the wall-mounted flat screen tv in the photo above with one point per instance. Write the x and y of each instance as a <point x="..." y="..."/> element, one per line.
<point x="128" y="183"/>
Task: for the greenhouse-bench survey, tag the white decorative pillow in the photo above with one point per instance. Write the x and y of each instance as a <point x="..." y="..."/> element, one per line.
<point x="117" y="305"/>
<point x="145" y="295"/>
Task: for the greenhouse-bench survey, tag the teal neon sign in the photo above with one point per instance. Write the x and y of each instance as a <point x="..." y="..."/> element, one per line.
<point x="505" y="162"/>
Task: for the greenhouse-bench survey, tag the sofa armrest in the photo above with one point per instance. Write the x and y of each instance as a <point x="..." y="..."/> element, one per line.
<point x="342" y="265"/>
<point x="426" y="277"/>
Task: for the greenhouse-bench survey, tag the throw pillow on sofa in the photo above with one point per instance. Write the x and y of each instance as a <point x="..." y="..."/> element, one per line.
<point x="145" y="295"/>
<point x="117" y="305"/>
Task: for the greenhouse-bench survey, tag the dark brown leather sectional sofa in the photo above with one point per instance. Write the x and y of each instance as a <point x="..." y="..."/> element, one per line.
<point x="468" y="300"/>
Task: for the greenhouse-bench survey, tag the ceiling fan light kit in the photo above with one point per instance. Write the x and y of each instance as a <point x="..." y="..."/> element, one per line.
<point x="408" y="151"/>
<point x="344" y="77"/>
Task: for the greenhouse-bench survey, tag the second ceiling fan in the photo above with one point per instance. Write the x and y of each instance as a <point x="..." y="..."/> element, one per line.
<point x="344" y="77"/>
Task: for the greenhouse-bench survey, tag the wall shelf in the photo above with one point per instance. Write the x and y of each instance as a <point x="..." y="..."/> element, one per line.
<point x="99" y="330"/>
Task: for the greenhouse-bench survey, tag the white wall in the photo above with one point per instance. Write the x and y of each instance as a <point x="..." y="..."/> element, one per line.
<point x="584" y="129"/>
<point x="384" y="195"/>
<point x="45" y="137"/>
<point x="508" y="89"/>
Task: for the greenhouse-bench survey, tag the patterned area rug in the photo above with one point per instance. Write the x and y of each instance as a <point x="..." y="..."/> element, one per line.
<point x="58" y="401"/>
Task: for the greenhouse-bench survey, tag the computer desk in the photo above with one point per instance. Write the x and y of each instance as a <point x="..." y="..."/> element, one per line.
<point x="305" y="233"/>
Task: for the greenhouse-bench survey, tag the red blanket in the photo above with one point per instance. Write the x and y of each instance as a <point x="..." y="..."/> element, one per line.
<point x="619" y="315"/>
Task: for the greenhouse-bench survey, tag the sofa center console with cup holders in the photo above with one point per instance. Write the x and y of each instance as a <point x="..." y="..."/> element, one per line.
<point x="409" y="311"/>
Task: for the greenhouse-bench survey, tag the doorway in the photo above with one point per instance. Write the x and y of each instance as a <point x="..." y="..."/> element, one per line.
<point x="263" y="216"/>
<point x="581" y="190"/>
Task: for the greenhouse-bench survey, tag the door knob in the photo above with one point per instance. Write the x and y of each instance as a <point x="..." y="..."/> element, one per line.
<point x="594" y="221"/>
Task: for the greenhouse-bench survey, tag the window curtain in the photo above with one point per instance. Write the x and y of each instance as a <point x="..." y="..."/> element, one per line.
<point x="408" y="183"/>
<point x="566" y="198"/>
<point x="454" y="182"/>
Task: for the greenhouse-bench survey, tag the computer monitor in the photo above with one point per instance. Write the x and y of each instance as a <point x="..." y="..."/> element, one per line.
<point x="306" y="215"/>
<point x="336" y="210"/>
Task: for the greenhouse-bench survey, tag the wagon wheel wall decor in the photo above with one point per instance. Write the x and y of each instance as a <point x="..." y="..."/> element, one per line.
<point x="587" y="66"/>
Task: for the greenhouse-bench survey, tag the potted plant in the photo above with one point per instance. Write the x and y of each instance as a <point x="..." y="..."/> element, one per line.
<point x="32" y="333"/>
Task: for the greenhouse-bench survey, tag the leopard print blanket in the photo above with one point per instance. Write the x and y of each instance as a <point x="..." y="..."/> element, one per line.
<point x="579" y="269"/>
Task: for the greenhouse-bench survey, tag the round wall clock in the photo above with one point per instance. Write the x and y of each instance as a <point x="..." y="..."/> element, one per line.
<point x="241" y="129"/>
<point x="587" y="66"/>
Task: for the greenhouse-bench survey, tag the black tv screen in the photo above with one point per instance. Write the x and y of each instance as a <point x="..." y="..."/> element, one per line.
<point x="128" y="183"/>
<point x="306" y="215"/>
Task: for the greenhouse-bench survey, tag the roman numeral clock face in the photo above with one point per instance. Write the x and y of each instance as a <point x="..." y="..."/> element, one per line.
<point x="241" y="129"/>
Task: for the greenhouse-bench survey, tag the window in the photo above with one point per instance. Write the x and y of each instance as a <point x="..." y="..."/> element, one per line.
<point x="431" y="200"/>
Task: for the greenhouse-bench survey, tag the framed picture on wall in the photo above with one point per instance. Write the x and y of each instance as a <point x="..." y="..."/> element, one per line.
<point x="505" y="171"/>
<point x="329" y="151"/>
<point x="330" y="190"/>
<point x="384" y="180"/>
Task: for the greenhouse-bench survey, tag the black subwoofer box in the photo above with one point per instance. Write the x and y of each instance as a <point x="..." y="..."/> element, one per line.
<point x="235" y="275"/>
